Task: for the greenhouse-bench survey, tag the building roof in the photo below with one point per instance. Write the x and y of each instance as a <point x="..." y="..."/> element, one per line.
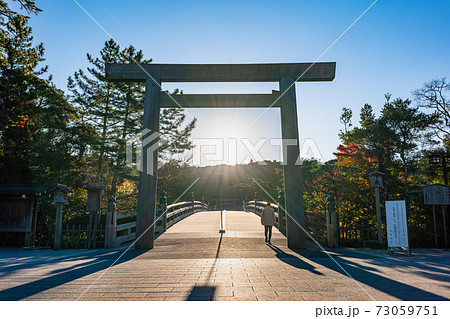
<point x="30" y="189"/>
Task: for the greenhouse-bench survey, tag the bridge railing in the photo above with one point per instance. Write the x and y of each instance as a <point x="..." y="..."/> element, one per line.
<point x="178" y="211"/>
<point x="316" y="226"/>
<point x="315" y="223"/>
<point x="123" y="226"/>
<point x="258" y="206"/>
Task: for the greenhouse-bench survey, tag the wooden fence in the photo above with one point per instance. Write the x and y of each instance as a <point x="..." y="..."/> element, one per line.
<point x="83" y="237"/>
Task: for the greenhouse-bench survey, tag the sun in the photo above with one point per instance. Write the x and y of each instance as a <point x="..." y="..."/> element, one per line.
<point x="225" y="137"/>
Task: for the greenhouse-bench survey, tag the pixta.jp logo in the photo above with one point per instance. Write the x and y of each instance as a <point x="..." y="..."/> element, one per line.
<point x="141" y="151"/>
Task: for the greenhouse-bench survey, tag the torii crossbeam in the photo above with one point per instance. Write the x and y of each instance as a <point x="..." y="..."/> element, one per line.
<point x="286" y="74"/>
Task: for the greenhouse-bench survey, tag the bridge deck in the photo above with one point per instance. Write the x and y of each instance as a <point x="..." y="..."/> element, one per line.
<point x="198" y="237"/>
<point x="192" y="261"/>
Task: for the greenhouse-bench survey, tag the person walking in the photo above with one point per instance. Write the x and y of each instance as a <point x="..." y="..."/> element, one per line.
<point x="268" y="220"/>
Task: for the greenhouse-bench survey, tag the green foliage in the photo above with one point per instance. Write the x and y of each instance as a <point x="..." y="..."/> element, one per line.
<point x="34" y="117"/>
<point x="47" y="137"/>
<point x="346" y="118"/>
<point x="394" y="143"/>
<point x="110" y="114"/>
<point x="433" y="96"/>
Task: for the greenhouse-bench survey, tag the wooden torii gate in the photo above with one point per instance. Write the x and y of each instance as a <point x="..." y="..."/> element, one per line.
<point x="284" y="73"/>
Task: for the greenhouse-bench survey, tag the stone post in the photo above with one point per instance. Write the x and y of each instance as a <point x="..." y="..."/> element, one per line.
<point x="59" y="201"/>
<point x="332" y="225"/>
<point x="111" y="223"/>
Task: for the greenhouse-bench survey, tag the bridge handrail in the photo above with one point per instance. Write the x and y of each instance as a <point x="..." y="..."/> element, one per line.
<point x="258" y="206"/>
<point x="126" y="226"/>
<point x="182" y="210"/>
<point x="121" y="216"/>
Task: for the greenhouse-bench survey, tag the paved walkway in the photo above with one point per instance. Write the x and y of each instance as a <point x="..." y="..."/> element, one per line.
<point x="192" y="261"/>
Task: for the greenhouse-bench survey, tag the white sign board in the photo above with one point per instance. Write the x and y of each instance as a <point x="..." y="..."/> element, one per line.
<point x="397" y="231"/>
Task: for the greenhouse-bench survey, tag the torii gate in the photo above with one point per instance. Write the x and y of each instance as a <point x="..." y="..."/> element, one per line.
<point x="284" y="73"/>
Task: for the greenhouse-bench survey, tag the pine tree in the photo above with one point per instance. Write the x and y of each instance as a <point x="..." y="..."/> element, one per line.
<point x="20" y="88"/>
<point x="113" y="114"/>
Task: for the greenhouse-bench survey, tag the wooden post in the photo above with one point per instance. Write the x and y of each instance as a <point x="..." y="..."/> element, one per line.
<point x="434" y="223"/>
<point x="73" y="236"/>
<point x="111" y="223"/>
<point x="193" y="202"/>
<point x="94" y="228"/>
<point x="281" y="214"/>
<point x="88" y="232"/>
<point x="66" y="242"/>
<point x="101" y="231"/>
<point x="163" y="204"/>
<point x="93" y="206"/>
<point x="377" y="199"/>
<point x="332" y="226"/>
<point x="445" y="225"/>
<point x="145" y="228"/>
<point x="58" y="226"/>
<point x="296" y="236"/>
<point x="79" y="236"/>
<point x="36" y="211"/>
<point x="59" y="201"/>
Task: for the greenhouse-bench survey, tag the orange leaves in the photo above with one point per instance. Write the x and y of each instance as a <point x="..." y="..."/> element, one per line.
<point x="22" y="122"/>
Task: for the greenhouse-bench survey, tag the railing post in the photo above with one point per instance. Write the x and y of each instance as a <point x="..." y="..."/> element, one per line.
<point x="281" y="214"/>
<point x="163" y="204"/>
<point x="193" y="202"/>
<point x="332" y="226"/>
<point x="255" y="201"/>
<point x="111" y="223"/>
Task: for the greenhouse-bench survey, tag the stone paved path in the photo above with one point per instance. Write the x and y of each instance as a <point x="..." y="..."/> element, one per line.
<point x="192" y="261"/>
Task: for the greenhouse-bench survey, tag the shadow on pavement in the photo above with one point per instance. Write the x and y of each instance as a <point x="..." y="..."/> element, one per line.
<point x="372" y="277"/>
<point x="292" y="260"/>
<point x="201" y="293"/>
<point x="96" y="262"/>
<point x="205" y="292"/>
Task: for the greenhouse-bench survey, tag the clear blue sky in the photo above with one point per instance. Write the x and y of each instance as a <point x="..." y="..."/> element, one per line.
<point x="395" y="48"/>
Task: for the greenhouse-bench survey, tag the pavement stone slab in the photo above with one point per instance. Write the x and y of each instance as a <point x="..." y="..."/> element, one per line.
<point x="192" y="261"/>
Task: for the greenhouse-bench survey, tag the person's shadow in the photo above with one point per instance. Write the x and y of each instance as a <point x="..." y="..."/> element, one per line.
<point x="292" y="260"/>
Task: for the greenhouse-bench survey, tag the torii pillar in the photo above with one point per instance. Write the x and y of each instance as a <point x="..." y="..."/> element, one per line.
<point x="286" y="74"/>
<point x="146" y="213"/>
<point x="295" y="212"/>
